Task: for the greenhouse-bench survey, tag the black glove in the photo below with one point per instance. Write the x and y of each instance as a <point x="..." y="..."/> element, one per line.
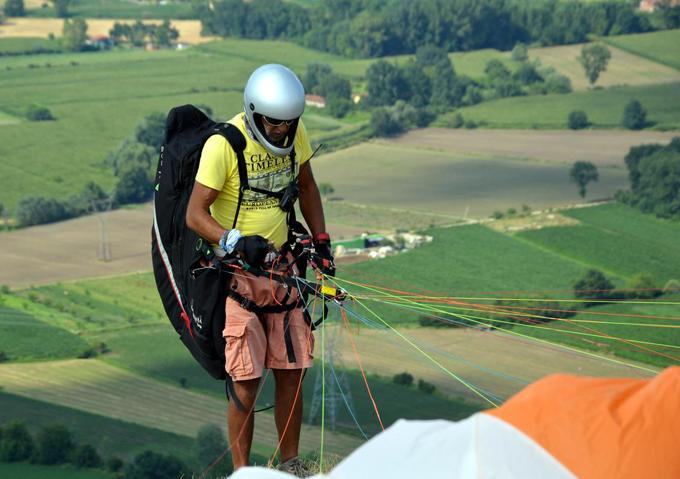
<point x="252" y="249"/>
<point x="322" y="259"/>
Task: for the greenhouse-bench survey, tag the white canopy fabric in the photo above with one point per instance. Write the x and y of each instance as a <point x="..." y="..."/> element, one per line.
<point x="481" y="446"/>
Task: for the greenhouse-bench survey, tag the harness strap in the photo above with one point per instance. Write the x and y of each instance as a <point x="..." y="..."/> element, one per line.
<point x="286" y="336"/>
<point x="251" y="306"/>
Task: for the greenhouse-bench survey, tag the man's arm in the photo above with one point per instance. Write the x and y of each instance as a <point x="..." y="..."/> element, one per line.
<point x="310" y="200"/>
<point x="198" y="213"/>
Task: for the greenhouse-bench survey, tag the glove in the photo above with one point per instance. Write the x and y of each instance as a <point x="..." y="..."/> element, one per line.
<point x="322" y="259"/>
<point x="252" y="249"/>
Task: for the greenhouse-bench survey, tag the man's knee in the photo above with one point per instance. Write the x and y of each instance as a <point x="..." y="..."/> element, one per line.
<point x="246" y="391"/>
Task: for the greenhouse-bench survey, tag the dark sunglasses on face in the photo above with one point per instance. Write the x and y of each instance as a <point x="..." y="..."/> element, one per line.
<point x="275" y="122"/>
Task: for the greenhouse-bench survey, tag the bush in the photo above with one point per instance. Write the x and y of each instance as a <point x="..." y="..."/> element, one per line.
<point x="405" y="379"/>
<point x="634" y="115"/>
<point x="457" y="121"/>
<point x="86" y="457"/>
<point x="426" y="387"/>
<point x="39" y="113"/>
<point x="211" y="445"/>
<point x="151" y="131"/>
<point x="556" y="83"/>
<point x="577" y="120"/>
<point x="593" y="285"/>
<point x="151" y="465"/>
<point x="3" y="357"/>
<point x="134" y="186"/>
<point x="384" y="123"/>
<point x="38" y="210"/>
<point x="642" y="286"/>
<point x="54" y="445"/>
<point x="520" y="53"/>
<point x="672" y="286"/>
<point x="114" y="464"/>
<point x="17" y="443"/>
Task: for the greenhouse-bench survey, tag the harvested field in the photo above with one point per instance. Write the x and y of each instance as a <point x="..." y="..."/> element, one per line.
<point x="603" y="148"/>
<point x="189" y="30"/>
<point x="623" y="69"/>
<point x="98" y="388"/>
<point x="73" y="247"/>
<point x="492" y="360"/>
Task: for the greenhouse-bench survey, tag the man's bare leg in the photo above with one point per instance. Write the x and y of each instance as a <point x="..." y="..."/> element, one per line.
<point x="242" y="423"/>
<point x="287" y="381"/>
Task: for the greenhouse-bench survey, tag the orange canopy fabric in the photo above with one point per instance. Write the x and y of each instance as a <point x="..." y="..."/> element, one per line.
<point x="603" y="427"/>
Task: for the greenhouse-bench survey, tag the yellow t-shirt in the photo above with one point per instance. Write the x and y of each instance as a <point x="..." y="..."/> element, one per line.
<point x="259" y="214"/>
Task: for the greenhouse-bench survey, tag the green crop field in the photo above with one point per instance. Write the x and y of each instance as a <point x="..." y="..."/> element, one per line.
<point x="23" y="337"/>
<point x="447" y="182"/>
<point x="120" y="9"/>
<point x="99" y="98"/>
<point x="122" y="439"/>
<point x="617" y="239"/>
<point x="603" y="107"/>
<point x="640" y="332"/>
<point x="661" y="47"/>
<point x="35" y="471"/>
<point x="13" y="46"/>
<point x="623" y="68"/>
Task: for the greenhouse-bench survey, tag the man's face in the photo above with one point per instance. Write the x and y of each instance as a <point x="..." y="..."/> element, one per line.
<point x="276" y="130"/>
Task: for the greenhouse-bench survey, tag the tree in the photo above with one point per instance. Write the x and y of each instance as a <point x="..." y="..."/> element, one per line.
<point x="131" y="154"/>
<point x="17" y="443"/>
<point x="54" y="445"/>
<point x="151" y="465"/>
<point x="61" y="7"/>
<point x="164" y="35"/>
<point x="582" y="173"/>
<point x="315" y="72"/>
<point x="593" y="285"/>
<point x="14" y="8"/>
<point x="424" y="386"/>
<point x="634" y="115"/>
<point x="642" y="286"/>
<point x="577" y="120"/>
<point x="405" y="379"/>
<point x="38" y="210"/>
<point x="39" y="113"/>
<point x="74" y="34"/>
<point x="134" y="186"/>
<point x="326" y="189"/>
<point x="151" y="131"/>
<point x="520" y="53"/>
<point x="594" y="58"/>
<point x="86" y="456"/>
<point x="384" y="123"/>
<point x="210" y="446"/>
<point x="386" y="84"/>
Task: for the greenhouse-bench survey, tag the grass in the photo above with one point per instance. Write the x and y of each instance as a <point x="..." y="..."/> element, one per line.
<point x="21" y="46"/>
<point x="24" y="338"/>
<point x="443" y="182"/>
<point x="643" y="326"/>
<point x="617" y="239"/>
<point x="624" y="68"/>
<point x="120" y="9"/>
<point x="36" y="471"/>
<point x="122" y="439"/>
<point x="98" y="98"/>
<point x="603" y="107"/>
<point x="659" y="46"/>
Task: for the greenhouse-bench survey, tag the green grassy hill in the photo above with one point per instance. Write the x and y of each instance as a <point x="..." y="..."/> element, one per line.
<point x="603" y="107"/>
<point x="660" y="46"/>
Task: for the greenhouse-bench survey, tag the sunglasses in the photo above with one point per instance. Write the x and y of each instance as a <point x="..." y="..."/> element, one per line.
<point x="275" y="122"/>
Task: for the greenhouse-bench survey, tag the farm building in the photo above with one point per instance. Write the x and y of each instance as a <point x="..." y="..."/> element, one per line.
<point x="651" y="5"/>
<point x="315" y="100"/>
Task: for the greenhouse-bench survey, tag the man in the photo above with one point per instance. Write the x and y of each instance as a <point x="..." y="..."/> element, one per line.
<point x="274" y="101"/>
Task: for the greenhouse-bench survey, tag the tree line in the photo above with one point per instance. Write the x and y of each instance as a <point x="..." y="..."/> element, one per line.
<point x="373" y="28"/>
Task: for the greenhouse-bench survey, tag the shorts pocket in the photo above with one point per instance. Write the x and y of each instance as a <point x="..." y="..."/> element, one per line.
<point x="239" y="361"/>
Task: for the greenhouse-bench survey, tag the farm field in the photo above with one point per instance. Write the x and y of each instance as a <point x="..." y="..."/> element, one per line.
<point x="16" y="27"/>
<point x="603" y="107"/>
<point x="617" y="239"/>
<point x="122" y="439"/>
<point x="660" y="46"/>
<point x="36" y="471"/>
<point x="451" y="181"/>
<point x="623" y="68"/>
<point x="97" y="388"/>
<point x="603" y="148"/>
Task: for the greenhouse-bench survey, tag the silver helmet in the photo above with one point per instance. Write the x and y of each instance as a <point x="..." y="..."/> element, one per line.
<point x="274" y="91"/>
